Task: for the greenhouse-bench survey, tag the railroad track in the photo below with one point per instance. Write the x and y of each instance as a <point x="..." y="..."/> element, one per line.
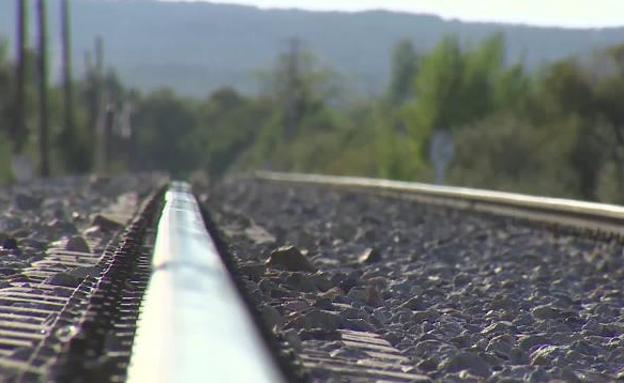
<point x="414" y="282"/>
<point x="52" y="312"/>
<point x="601" y="218"/>
<point x="73" y="315"/>
<point x="383" y="281"/>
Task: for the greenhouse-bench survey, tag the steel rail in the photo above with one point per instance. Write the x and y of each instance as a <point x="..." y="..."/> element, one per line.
<point x="194" y="326"/>
<point x="580" y="214"/>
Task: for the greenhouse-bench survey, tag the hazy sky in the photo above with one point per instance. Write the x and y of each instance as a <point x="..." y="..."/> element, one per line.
<point x="570" y="13"/>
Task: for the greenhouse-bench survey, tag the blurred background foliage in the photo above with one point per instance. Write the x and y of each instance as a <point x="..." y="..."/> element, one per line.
<point x="557" y="131"/>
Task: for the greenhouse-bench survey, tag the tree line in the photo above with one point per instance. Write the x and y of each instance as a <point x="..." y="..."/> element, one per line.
<point x="556" y="131"/>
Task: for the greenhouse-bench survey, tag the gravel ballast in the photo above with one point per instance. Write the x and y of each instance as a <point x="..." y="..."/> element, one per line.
<point x="462" y="296"/>
<point x="74" y="213"/>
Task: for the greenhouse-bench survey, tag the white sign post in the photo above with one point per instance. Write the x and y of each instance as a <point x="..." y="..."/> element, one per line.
<point x="441" y="153"/>
<point x="22" y="167"/>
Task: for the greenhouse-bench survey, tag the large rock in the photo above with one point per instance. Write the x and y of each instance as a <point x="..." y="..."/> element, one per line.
<point x="289" y="258"/>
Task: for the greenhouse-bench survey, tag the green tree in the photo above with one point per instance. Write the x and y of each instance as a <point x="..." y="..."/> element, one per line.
<point x="566" y="92"/>
<point x="300" y="91"/>
<point x="438" y="85"/>
<point x="404" y="68"/>
<point x="456" y="87"/>
<point x="508" y="152"/>
<point x="166" y="126"/>
<point x="229" y="125"/>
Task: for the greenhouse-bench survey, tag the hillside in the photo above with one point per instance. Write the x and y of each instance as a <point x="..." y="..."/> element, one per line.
<point x="197" y="47"/>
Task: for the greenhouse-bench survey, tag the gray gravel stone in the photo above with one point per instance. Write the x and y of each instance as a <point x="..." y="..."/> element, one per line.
<point x="253" y="270"/>
<point x="64" y="279"/>
<point x="289" y="258"/>
<point x="301" y="282"/>
<point x="321" y="281"/>
<point x="428" y="364"/>
<point x="323" y="319"/>
<point x="467" y="361"/>
<point x="415" y="303"/>
<point x="357" y="325"/>
<point x="369" y="255"/>
<point x="501" y="345"/>
<point x="545" y="356"/>
<point x="106" y="223"/>
<point x="77" y="243"/>
<point x="545" y="312"/>
<point x="293" y="339"/>
<point x="271" y="316"/>
<point x="25" y="201"/>
<point x="530" y="341"/>
<point x="9" y="243"/>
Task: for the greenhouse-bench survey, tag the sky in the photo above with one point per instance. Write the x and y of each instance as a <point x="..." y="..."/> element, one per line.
<point x="564" y="13"/>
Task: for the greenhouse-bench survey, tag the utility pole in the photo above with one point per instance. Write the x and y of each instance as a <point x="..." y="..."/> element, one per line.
<point x="295" y="98"/>
<point x="68" y="135"/>
<point x="104" y="111"/>
<point x="42" y="69"/>
<point x="109" y="124"/>
<point x="18" y="128"/>
<point x="99" y="56"/>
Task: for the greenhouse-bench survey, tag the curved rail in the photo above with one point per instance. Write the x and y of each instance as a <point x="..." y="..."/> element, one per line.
<point x="194" y="326"/>
<point x="582" y="214"/>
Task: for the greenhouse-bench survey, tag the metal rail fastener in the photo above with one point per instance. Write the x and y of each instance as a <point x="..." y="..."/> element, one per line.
<point x="193" y="325"/>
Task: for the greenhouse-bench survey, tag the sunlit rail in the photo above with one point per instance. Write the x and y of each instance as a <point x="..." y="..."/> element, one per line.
<point x="194" y="326"/>
<point x="583" y="214"/>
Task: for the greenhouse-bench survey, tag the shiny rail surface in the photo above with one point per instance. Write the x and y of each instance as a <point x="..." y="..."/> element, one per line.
<point x="586" y="215"/>
<point x="194" y="325"/>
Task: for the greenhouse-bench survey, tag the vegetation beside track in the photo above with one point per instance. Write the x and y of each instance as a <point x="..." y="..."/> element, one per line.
<point x="558" y="131"/>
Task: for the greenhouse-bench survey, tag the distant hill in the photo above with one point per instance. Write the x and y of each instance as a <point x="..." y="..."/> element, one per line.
<point x="197" y="47"/>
